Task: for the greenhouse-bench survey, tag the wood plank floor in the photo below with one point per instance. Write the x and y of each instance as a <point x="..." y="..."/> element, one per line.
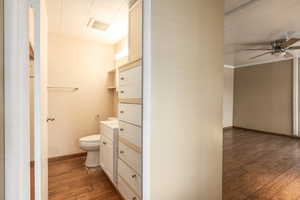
<point x="256" y="167"/>
<point x="260" y="166"/>
<point x="70" y="180"/>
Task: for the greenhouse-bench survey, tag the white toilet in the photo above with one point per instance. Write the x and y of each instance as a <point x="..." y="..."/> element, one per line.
<point x="91" y="144"/>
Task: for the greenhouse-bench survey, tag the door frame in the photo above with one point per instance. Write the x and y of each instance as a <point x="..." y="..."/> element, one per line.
<point x="16" y="79"/>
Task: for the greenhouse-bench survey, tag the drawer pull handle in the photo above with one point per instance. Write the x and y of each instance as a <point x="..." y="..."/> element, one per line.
<point x="134" y="198"/>
<point x="121" y="152"/>
<point x="121" y="129"/>
<point x="122" y="78"/>
<point x="133" y="176"/>
<point x="104" y="143"/>
<point x="122" y="111"/>
<point x="122" y="91"/>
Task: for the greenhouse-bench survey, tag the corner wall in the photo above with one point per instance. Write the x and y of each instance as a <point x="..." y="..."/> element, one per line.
<point x="186" y="99"/>
<point x="263" y="97"/>
<point x="228" y="97"/>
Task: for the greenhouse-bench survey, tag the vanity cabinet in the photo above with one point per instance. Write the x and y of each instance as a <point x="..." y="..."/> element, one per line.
<point x="107" y="157"/>
<point x="109" y="149"/>
<point x="135" y="31"/>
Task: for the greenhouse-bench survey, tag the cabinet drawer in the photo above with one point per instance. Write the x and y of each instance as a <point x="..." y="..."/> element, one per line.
<point x="131" y="76"/>
<point x="131" y="177"/>
<point x="130" y="91"/>
<point x="131" y="113"/>
<point x="131" y="157"/>
<point x="125" y="191"/>
<point x="131" y="133"/>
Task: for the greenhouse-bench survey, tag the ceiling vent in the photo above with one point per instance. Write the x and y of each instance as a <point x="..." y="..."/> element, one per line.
<point x="98" y="25"/>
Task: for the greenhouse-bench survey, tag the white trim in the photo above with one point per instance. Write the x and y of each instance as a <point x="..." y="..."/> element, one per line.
<point x="295" y="96"/>
<point x="263" y="62"/>
<point x="37" y="104"/>
<point x="229" y="66"/>
<point x="146" y="100"/>
<point x="16" y="77"/>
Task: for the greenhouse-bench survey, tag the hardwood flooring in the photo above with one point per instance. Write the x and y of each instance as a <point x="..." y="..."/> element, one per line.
<point x="70" y="180"/>
<point x="260" y="166"/>
<point x="256" y="167"/>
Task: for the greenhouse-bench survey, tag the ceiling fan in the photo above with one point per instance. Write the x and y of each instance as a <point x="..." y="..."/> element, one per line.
<point x="279" y="47"/>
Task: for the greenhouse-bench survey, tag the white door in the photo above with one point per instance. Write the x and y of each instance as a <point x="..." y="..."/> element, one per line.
<point x="41" y="99"/>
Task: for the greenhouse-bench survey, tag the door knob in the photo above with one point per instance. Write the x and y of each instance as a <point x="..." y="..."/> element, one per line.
<point x="50" y="119"/>
<point x="133" y="176"/>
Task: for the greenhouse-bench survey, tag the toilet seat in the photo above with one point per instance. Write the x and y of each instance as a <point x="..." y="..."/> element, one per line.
<point x="90" y="140"/>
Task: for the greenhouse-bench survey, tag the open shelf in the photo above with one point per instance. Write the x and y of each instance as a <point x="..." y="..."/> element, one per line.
<point x="111" y="88"/>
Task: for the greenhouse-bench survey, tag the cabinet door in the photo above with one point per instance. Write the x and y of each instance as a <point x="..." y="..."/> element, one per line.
<point x="135" y="31"/>
<point x="107" y="157"/>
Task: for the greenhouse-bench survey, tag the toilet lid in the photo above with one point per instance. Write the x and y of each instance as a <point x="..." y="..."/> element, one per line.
<point x="91" y="138"/>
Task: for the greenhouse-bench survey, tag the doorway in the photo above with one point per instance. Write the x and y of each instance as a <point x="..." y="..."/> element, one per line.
<point x="86" y="75"/>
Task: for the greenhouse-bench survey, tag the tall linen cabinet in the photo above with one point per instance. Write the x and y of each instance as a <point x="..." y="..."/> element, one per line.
<point x="130" y="111"/>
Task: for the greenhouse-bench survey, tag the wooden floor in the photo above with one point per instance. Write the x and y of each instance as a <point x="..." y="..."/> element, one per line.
<point x="69" y="180"/>
<point x="256" y="166"/>
<point x="260" y="166"/>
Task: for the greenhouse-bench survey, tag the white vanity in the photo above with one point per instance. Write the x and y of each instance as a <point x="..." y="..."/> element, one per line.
<point x="109" y="148"/>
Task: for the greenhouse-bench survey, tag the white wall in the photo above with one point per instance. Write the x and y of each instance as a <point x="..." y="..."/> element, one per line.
<point x="83" y="64"/>
<point x="186" y="99"/>
<point x="228" y="97"/>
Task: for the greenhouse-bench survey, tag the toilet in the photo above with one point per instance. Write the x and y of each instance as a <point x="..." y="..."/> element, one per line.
<point x="91" y="144"/>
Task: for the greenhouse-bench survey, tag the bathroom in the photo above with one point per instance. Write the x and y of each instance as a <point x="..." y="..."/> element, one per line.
<point x="93" y="81"/>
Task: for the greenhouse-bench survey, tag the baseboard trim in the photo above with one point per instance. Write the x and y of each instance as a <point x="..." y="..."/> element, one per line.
<point x="62" y="158"/>
<point x="267" y="132"/>
<point x="227" y="127"/>
<point x="66" y="157"/>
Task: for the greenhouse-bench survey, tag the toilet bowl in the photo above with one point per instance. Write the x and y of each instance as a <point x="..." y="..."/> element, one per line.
<point x="91" y="144"/>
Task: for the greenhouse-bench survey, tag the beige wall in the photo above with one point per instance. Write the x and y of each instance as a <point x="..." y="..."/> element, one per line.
<point x="228" y="97"/>
<point x="263" y="97"/>
<point x="186" y="95"/>
<point x="1" y="105"/>
<point x="82" y="64"/>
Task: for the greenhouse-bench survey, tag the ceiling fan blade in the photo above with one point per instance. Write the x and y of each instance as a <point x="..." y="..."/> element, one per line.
<point x="290" y="42"/>
<point x="256" y="49"/>
<point x="257" y="43"/>
<point x="270" y="52"/>
<point x="288" y="55"/>
<point x="294" y="48"/>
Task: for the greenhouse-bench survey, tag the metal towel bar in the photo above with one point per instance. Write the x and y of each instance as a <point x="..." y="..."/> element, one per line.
<point x="64" y="88"/>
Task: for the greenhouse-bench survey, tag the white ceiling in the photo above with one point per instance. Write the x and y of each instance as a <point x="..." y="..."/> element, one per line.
<point x="70" y="17"/>
<point x="248" y="21"/>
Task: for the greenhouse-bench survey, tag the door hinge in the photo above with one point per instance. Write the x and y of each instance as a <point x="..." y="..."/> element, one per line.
<point x="34" y="3"/>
